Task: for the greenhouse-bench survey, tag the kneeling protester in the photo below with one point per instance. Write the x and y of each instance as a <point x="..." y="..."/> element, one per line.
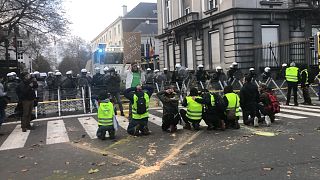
<point x="106" y="120"/>
<point x="171" y="116"/>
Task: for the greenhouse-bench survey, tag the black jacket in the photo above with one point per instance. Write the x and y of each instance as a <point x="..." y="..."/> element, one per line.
<point x="249" y="95"/>
<point x="113" y="85"/>
<point x="25" y="91"/>
<point x="170" y="102"/>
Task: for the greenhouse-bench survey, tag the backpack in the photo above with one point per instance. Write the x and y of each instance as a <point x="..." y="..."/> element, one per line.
<point x="274" y="105"/>
<point x="141" y="105"/>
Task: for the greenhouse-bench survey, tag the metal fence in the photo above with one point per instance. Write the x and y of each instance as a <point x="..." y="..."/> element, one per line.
<point x="275" y="54"/>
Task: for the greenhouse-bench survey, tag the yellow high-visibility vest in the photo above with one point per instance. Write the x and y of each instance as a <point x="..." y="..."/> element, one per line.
<point x="194" y="109"/>
<point x="292" y="74"/>
<point x="105" y="114"/>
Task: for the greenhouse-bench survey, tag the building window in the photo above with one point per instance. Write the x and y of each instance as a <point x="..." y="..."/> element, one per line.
<point x="214" y="48"/>
<point x="168" y="13"/>
<point x="270" y="36"/>
<point x="187" y="11"/>
<point x="20" y="55"/>
<point x="189" y="53"/>
<point x="212" y="4"/>
<point x="19" y="44"/>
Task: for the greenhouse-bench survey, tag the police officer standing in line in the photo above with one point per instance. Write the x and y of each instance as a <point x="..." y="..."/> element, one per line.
<point x="10" y="87"/>
<point x="253" y="74"/>
<point x="57" y="84"/>
<point x="305" y="85"/>
<point x="234" y="73"/>
<point x="84" y="81"/>
<point x="202" y="76"/>
<point x="149" y="77"/>
<point x="265" y="75"/>
<point x="69" y="86"/>
<point x="114" y="81"/>
<point x="167" y="77"/>
<point x="98" y="86"/>
<point x="292" y="77"/>
<point x="50" y="85"/>
<point x="282" y="72"/>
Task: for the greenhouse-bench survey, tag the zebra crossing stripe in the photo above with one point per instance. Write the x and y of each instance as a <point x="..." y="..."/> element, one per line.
<point x="123" y="122"/>
<point x="300" y="112"/>
<point x="301" y="108"/>
<point x="158" y="121"/>
<point x="309" y="106"/>
<point x="90" y="125"/>
<point x="56" y="132"/>
<point x="16" y="139"/>
<point x="289" y="115"/>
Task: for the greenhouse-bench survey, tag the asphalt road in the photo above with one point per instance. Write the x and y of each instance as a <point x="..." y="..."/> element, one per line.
<point x="289" y="149"/>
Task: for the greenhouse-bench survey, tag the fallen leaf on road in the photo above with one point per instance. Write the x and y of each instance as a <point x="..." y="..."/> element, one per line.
<point x="67" y="163"/>
<point x="24" y="170"/>
<point x="292" y="139"/>
<point x="289" y="172"/>
<point x="22" y="156"/>
<point x="104" y="154"/>
<point x="313" y="157"/>
<point x="267" y="169"/>
<point x="101" y="164"/>
<point x="91" y="171"/>
<point x="35" y="163"/>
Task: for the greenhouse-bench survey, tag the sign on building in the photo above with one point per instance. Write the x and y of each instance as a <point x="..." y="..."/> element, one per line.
<point x="131" y="47"/>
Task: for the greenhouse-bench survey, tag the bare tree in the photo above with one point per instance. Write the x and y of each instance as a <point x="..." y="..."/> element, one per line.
<point x="42" y="16"/>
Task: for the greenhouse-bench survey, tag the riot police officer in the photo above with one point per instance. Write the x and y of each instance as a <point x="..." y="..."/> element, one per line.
<point x="68" y="86"/>
<point x="149" y="77"/>
<point x="10" y="87"/>
<point x="266" y="74"/>
<point x="114" y="80"/>
<point x="85" y="82"/>
<point x="50" y="85"/>
<point x="167" y="76"/>
<point x="202" y="76"/>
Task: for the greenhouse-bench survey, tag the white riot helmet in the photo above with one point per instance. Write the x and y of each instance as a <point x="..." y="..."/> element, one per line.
<point x="266" y="69"/>
<point x="36" y="72"/>
<point x="218" y="68"/>
<point x="43" y="75"/>
<point x="234" y="64"/>
<point x="105" y="69"/>
<point x="157" y="70"/>
<point x="165" y="69"/>
<point x="200" y="66"/>
<point x="284" y="65"/>
<point x="50" y="73"/>
<point x="97" y="69"/>
<point x="251" y="69"/>
<point x="68" y="72"/>
<point x="9" y="74"/>
<point x="148" y="69"/>
<point x="292" y="64"/>
<point x="178" y="65"/>
<point x="58" y="73"/>
<point x="13" y="73"/>
<point x="84" y="71"/>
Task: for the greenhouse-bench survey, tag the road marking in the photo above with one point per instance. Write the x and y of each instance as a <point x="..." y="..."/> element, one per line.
<point x="90" y="125"/>
<point x="309" y="106"/>
<point x="123" y="122"/>
<point x="16" y="139"/>
<point x="289" y="116"/>
<point x="158" y="121"/>
<point x="301" y="108"/>
<point x="300" y="112"/>
<point x="56" y="132"/>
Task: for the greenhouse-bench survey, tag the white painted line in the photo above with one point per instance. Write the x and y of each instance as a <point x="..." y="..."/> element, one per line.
<point x="91" y="126"/>
<point x="290" y="116"/>
<point x="309" y="106"/>
<point x="158" y="121"/>
<point x="301" y="112"/>
<point x="16" y="139"/>
<point x="123" y="122"/>
<point x="56" y="132"/>
<point x="301" y="108"/>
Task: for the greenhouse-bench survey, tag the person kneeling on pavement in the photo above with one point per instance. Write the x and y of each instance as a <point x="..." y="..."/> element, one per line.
<point x="171" y="116"/>
<point x="232" y="104"/>
<point x="194" y="110"/>
<point x="213" y="105"/>
<point x="249" y="99"/>
<point x="139" y="98"/>
<point x="269" y="104"/>
<point x="106" y="119"/>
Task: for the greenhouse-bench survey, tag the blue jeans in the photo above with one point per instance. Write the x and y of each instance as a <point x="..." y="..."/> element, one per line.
<point x="2" y="116"/>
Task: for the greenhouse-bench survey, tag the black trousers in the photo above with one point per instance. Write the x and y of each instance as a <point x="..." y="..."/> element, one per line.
<point x="186" y="120"/>
<point x="251" y="111"/>
<point x="306" y="94"/>
<point x="170" y="119"/>
<point x="212" y="119"/>
<point x="292" y="86"/>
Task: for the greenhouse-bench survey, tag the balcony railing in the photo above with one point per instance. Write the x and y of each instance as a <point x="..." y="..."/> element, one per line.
<point x="191" y="17"/>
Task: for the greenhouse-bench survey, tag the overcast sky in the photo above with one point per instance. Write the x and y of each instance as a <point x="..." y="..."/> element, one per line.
<point x="90" y="17"/>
